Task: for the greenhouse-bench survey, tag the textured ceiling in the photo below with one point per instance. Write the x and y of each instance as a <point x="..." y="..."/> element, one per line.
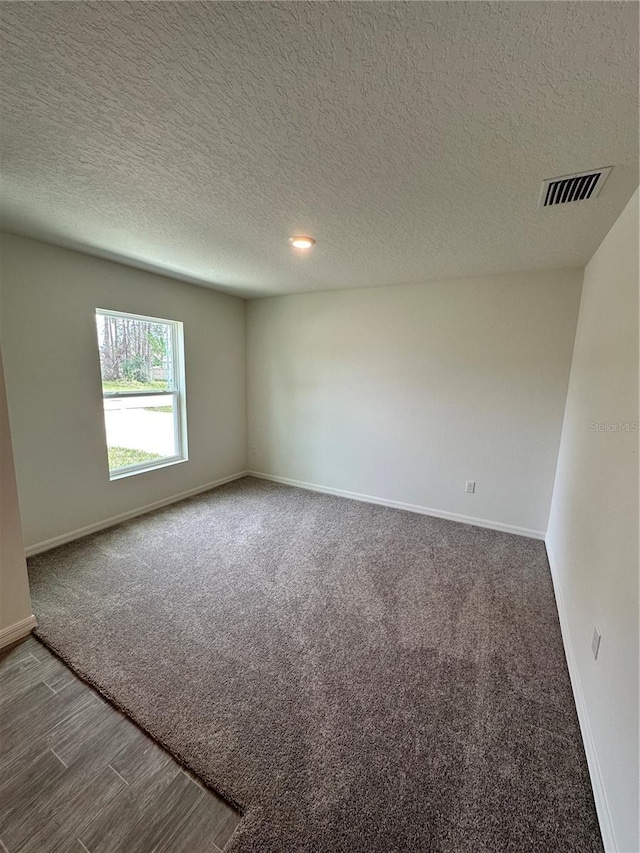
<point x="410" y="139"/>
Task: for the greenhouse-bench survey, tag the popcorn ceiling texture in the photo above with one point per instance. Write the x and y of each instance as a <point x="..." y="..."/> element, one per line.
<point x="358" y="679"/>
<point x="410" y="139"/>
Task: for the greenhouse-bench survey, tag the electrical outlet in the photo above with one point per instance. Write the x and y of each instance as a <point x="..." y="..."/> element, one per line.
<point x="254" y="450"/>
<point x="595" y="642"/>
<point x="470" y="487"/>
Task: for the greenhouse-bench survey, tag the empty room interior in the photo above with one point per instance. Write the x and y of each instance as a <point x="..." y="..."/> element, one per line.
<point x="319" y="512"/>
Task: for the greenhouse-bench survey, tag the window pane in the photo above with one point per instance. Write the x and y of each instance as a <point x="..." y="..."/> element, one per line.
<point x="139" y="429"/>
<point x="135" y="355"/>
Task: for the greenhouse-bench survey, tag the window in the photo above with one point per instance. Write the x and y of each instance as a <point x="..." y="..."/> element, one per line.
<point x="142" y="365"/>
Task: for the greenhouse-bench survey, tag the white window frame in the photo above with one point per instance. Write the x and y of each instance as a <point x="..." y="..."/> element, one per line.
<point x="177" y="394"/>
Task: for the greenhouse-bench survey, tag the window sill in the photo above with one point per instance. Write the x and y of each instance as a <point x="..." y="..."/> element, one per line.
<point x="121" y="473"/>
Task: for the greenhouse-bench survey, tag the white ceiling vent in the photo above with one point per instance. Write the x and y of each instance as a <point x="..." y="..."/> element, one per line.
<point x="569" y="188"/>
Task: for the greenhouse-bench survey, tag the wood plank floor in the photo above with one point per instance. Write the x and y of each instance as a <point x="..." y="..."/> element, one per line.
<point x="76" y="776"/>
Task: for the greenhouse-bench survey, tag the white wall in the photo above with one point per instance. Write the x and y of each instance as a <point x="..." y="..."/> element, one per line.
<point x="403" y="393"/>
<point x="52" y="370"/>
<point x="15" y="604"/>
<point x="593" y="527"/>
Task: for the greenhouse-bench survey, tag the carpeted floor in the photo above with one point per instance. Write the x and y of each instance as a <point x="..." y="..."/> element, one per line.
<point x="357" y="679"/>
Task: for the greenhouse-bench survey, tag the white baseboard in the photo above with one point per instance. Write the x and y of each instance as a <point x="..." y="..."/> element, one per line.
<point x="597" y="783"/>
<point x="423" y="510"/>
<point x="48" y="544"/>
<point x="17" y="631"/>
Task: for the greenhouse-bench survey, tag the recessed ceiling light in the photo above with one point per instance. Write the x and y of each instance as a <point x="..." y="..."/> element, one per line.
<point x="302" y="242"/>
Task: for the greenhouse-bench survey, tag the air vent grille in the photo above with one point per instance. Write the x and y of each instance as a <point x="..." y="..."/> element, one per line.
<point x="570" y="188"/>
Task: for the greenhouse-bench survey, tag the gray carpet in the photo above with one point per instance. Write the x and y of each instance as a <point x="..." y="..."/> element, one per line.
<point x="354" y="678"/>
